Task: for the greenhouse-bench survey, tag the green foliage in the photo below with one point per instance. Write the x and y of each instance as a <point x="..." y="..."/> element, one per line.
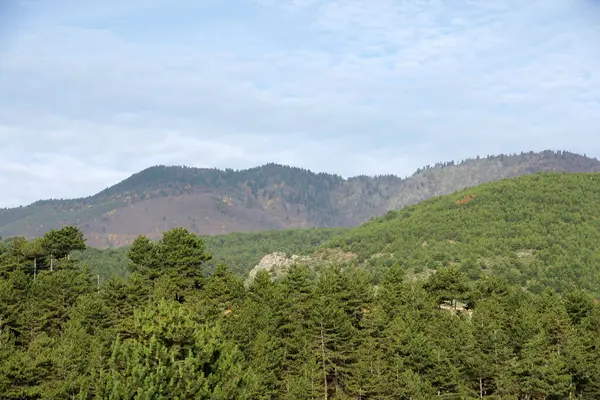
<point x="106" y="263"/>
<point x="142" y="254"/>
<point x="239" y="251"/>
<point x="181" y="255"/>
<point x="175" y="329"/>
<point x="447" y="284"/>
<point x="536" y="231"/>
<point x="242" y="251"/>
<point x="284" y="196"/>
<point x="50" y="298"/>
<point x="167" y="355"/>
<point x="60" y="243"/>
<point x="174" y="264"/>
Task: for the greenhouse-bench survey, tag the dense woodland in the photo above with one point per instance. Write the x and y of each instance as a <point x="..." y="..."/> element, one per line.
<point x="537" y="231"/>
<point x="487" y="293"/>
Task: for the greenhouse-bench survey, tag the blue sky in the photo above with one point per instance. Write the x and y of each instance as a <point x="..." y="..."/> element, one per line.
<point x="93" y="91"/>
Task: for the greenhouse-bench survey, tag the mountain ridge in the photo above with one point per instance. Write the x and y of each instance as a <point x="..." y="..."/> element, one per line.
<point x="272" y="196"/>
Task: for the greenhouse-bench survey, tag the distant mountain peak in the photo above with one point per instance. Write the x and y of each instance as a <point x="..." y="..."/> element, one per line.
<point x="270" y="196"/>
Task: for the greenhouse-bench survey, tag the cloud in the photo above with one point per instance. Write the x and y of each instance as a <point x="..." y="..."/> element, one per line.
<point x="94" y="91"/>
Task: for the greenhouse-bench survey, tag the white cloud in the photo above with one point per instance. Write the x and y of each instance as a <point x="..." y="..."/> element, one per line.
<point x="91" y="93"/>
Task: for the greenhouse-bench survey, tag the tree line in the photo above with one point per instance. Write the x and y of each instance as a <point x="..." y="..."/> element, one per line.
<point x="172" y="331"/>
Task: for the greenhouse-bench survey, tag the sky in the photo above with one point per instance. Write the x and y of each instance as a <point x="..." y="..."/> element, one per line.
<point x="94" y="91"/>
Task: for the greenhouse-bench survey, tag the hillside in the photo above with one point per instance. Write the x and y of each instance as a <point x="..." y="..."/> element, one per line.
<point x="239" y="251"/>
<point x="537" y="231"/>
<point x="270" y="197"/>
<point x="359" y="327"/>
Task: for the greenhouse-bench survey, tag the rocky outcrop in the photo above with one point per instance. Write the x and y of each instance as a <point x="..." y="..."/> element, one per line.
<point x="276" y="264"/>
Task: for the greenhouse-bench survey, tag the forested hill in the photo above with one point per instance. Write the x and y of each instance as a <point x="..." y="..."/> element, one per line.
<point x="452" y="298"/>
<point x="211" y="201"/>
<point x="536" y="231"/>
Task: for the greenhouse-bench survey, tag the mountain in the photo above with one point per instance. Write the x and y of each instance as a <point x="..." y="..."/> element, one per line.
<point x="270" y="197"/>
<point x="395" y="317"/>
<point x="536" y="231"/>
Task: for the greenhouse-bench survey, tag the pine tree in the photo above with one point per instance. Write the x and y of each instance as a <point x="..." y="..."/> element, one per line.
<point x="14" y="291"/>
<point x="448" y="284"/>
<point x="60" y="243"/>
<point x="144" y="258"/>
<point x="222" y="293"/>
<point x="333" y="338"/>
<point x="542" y="371"/>
<point x="170" y="356"/>
<point x="293" y="314"/>
<point x="181" y="255"/>
<point x="51" y="297"/>
<point x="492" y="352"/>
